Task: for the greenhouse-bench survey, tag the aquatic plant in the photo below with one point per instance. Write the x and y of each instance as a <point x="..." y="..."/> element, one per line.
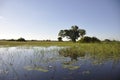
<point x="37" y="68"/>
<point x="97" y="50"/>
<point x="71" y="67"/>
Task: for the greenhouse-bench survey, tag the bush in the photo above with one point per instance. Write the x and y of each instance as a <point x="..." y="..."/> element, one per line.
<point x="60" y="39"/>
<point x="11" y="40"/>
<point x="94" y="39"/>
<point x="21" y="39"/>
<point x="107" y="40"/>
<point x="87" y="39"/>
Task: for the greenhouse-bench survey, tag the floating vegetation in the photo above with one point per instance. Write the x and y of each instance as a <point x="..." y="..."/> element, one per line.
<point x="97" y="62"/>
<point x="71" y="67"/>
<point x="37" y="68"/>
<point x="86" y="72"/>
<point x="67" y="63"/>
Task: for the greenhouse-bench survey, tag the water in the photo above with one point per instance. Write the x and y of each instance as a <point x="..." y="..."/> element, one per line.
<point x="45" y="63"/>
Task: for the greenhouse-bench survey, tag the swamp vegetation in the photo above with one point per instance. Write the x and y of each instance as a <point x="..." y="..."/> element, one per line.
<point x="35" y="60"/>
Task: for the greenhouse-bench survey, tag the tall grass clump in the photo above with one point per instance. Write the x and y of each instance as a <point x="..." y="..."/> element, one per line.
<point x="72" y="52"/>
<point x="96" y="50"/>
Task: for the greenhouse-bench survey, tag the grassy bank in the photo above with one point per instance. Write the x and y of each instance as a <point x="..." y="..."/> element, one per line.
<point x="36" y="43"/>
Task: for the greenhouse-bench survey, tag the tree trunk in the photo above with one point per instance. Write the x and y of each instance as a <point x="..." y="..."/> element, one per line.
<point x="73" y="40"/>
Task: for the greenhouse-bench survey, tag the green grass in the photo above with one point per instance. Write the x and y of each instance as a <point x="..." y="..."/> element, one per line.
<point x="36" y="43"/>
<point x="96" y="50"/>
<point x="93" y="48"/>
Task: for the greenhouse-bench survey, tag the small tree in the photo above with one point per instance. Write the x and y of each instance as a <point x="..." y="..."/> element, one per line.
<point x="60" y="39"/>
<point x="21" y="39"/>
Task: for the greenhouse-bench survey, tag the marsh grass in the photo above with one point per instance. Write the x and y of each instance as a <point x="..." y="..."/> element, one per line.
<point x="101" y="51"/>
<point x="44" y="58"/>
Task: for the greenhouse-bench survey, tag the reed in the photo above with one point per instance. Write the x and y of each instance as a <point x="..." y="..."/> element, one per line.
<point x="95" y="50"/>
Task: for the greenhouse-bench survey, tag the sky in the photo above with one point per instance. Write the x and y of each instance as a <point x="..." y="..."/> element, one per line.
<point x="43" y="19"/>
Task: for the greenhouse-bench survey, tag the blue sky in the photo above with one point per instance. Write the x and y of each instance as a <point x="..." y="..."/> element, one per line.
<point x="43" y="19"/>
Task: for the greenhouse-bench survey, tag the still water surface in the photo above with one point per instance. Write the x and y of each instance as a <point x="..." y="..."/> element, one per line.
<point x="45" y="63"/>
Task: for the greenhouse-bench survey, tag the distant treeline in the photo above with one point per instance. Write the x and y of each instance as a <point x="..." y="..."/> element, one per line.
<point x="85" y="39"/>
<point x="19" y="39"/>
<point x="24" y="40"/>
<point x="88" y="39"/>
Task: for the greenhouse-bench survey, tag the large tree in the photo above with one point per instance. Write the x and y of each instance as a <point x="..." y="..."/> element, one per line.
<point x="82" y="32"/>
<point x="73" y="33"/>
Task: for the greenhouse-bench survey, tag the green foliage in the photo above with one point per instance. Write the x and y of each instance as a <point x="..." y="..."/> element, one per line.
<point x="107" y="40"/>
<point x="94" y="39"/>
<point x="11" y="40"/>
<point x="82" y="32"/>
<point x="73" y="33"/>
<point x="60" y="39"/>
<point x="21" y="39"/>
<point x="87" y="39"/>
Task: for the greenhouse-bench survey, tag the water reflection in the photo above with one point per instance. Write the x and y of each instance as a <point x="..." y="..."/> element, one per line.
<point x="48" y="63"/>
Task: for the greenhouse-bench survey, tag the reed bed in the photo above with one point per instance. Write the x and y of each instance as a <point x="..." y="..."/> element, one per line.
<point x="110" y="49"/>
<point x="95" y="50"/>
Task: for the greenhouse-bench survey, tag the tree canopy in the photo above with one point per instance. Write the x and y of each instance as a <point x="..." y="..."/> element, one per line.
<point x="59" y="38"/>
<point x="73" y="33"/>
<point x="88" y="39"/>
<point x="21" y="39"/>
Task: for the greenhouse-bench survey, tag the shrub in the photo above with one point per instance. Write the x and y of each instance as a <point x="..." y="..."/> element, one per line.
<point x="88" y="39"/>
<point x="21" y="39"/>
<point x="60" y="39"/>
<point x="11" y="40"/>
<point x="94" y="39"/>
